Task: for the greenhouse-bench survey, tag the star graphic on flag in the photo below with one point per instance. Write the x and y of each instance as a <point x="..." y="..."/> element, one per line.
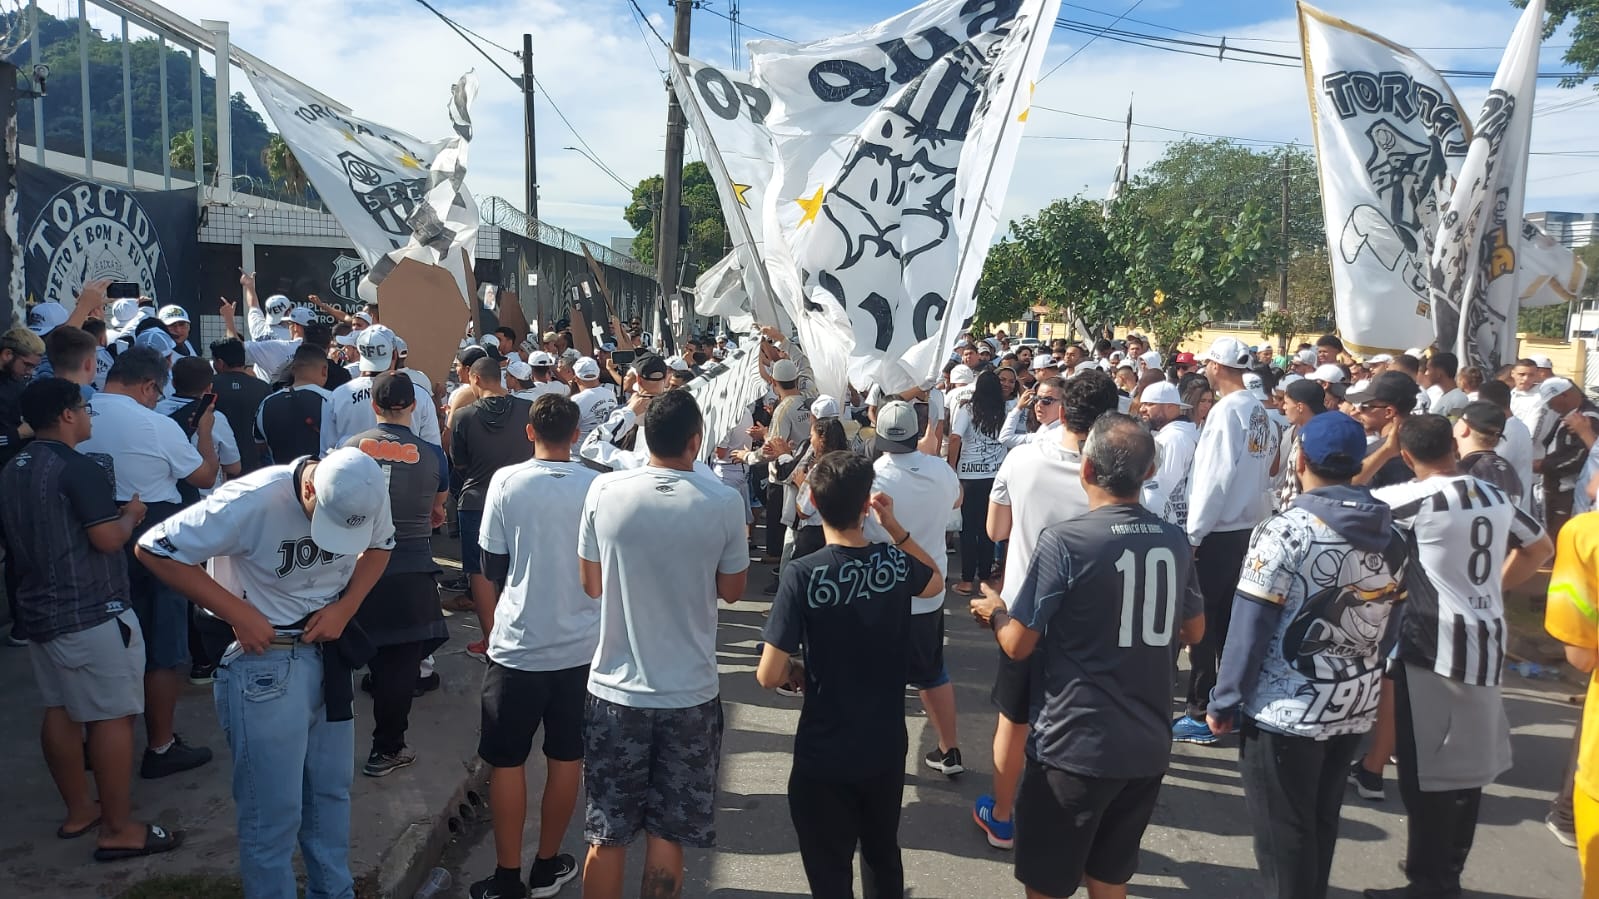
<point x="409" y="161"/>
<point x="1031" y="87"/>
<point x="348" y="135"/>
<point x="738" y="192"/>
<point x="812" y="206"/>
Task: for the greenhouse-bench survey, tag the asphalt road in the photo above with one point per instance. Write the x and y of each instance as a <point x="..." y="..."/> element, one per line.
<point x="1197" y="846"/>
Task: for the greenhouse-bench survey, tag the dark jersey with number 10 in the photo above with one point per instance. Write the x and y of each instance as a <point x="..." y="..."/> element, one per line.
<point x="1108" y="590"/>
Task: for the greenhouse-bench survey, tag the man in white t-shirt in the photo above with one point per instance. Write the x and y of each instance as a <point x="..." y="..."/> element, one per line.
<point x="924" y="490"/>
<point x="1039" y="485"/>
<point x="293" y="551"/>
<point x="348" y="409"/>
<point x="544" y="636"/>
<point x="595" y="401"/>
<point x="1176" y="438"/>
<point x="658" y="545"/>
<point x="1444" y="397"/>
<point x="191" y="379"/>
<point x="270" y="354"/>
<point x="1044" y="401"/>
<point x="542" y="380"/>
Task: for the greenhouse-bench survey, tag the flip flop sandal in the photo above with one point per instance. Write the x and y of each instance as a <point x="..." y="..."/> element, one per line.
<point x="63" y="834"/>
<point x="156" y="841"/>
<point x="968" y="591"/>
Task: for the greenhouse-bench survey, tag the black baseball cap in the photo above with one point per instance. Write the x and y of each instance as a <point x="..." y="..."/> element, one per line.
<point x="393" y="390"/>
<point x="1395" y="388"/>
<point x="1485" y="418"/>
<point x="650" y="368"/>
<point x="1310" y="393"/>
<point x="471" y="354"/>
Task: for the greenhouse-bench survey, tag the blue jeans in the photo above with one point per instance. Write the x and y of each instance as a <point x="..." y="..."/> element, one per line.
<point x="291" y="772"/>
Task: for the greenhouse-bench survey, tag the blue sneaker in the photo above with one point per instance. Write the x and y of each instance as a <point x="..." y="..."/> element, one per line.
<point x="1001" y="834"/>
<point x="1188" y="730"/>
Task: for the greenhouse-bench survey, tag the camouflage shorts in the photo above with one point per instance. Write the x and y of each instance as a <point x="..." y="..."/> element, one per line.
<point x="653" y="770"/>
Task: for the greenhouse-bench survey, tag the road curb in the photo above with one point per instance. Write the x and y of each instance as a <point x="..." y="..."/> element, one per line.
<point x="406" y="864"/>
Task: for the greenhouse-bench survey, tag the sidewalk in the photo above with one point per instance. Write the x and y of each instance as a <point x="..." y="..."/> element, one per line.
<point x="399" y="822"/>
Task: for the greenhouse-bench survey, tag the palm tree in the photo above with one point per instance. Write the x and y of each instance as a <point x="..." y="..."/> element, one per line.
<point x="282" y="166"/>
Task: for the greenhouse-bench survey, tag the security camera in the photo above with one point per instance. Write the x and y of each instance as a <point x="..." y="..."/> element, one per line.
<point x="40" y="73"/>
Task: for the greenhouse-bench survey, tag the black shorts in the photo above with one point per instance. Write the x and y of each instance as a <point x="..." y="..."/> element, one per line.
<point x="1013" y="688"/>
<point x="924" y="658"/>
<point x="653" y="770"/>
<point x="1068" y="825"/>
<point x="516" y="702"/>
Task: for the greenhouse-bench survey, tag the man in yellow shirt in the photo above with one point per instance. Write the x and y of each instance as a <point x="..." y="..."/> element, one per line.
<point x="1572" y="617"/>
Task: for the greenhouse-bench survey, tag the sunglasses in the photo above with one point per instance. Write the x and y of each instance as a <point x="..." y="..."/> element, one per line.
<point x="1047" y="400"/>
<point x="1368" y="407"/>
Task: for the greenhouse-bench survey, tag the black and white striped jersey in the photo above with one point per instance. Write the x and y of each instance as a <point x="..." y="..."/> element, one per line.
<point x="1460" y="529"/>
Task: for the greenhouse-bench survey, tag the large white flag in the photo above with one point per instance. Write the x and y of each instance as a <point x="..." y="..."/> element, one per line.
<point x="1476" y="266"/>
<point x="1391" y="139"/>
<point x="891" y="151"/>
<point x="388" y="189"/>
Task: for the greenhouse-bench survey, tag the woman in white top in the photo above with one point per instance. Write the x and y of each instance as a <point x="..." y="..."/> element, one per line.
<point x="975" y="452"/>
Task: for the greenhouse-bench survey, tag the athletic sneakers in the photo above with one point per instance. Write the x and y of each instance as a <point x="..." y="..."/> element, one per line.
<point x="386" y="763"/>
<point x="426" y="685"/>
<point x="1191" y="730"/>
<point x="492" y="887"/>
<point x="548" y="875"/>
<point x="202" y="675"/>
<point x="180" y="756"/>
<point x="946" y="763"/>
<point x="1366" y="783"/>
<point x="1001" y="834"/>
<point x="1563" y="831"/>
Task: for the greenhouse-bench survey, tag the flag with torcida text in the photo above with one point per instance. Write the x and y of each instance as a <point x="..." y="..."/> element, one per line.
<point x="1391" y="139"/>
<point x="890" y="153"/>
<point x="396" y="196"/>
<point x="1475" y="261"/>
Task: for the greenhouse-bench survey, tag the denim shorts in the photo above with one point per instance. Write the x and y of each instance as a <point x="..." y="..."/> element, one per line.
<point x="653" y="770"/>
<point x="471" y="521"/>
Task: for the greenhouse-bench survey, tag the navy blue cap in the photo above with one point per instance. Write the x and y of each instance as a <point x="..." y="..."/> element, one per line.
<point x="1334" y="443"/>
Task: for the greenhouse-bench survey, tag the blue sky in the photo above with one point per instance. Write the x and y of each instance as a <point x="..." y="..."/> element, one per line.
<point x="392" y="62"/>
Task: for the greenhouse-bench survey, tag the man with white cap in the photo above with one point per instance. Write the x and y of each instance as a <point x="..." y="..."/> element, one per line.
<point x="1303" y="363"/>
<point x="541" y="368"/>
<point x="1232" y="493"/>
<point x="1328" y="373"/>
<point x="595" y="401"/>
<point x="348" y="409"/>
<point x="1149" y="360"/>
<point x="1176" y="438"/>
<point x="303" y="544"/>
<point x="1566" y="442"/>
<point x="125" y="315"/>
<point x="176" y="320"/>
<point x="46" y="317"/>
<point x="268" y="325"/>
<point x="1045" y="367"/>
<point x="269" y="354"/>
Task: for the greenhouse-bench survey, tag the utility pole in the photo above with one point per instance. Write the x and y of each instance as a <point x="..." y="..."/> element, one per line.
<point x="1282" y="274"/>
<point x="672" y="177"/>
<point x="531" y="176"/>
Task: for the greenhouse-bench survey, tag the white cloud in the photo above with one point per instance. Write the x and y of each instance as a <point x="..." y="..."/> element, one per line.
<point x="393" y="62"/>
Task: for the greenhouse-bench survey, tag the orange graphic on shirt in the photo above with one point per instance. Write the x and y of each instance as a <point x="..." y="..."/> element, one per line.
<point x="390" y="451"/>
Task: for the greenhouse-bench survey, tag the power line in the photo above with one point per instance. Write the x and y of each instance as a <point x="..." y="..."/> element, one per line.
<point x="646" y="20"/>
<point x="460" y="30"/>
<point x="745" y="25"/>
<point x="600" y="163"/>
<point x="1073" y="55"/>
<point x="639" y="22"/>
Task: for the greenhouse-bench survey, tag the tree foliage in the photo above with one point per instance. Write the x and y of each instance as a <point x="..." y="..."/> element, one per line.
<point x="1584" y="50"/>
<point x="705" y="241"/>
<point x="1197" y="236"/>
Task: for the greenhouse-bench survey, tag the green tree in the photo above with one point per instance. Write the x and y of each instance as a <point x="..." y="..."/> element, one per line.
<point x="1584" y="50"/>
<point x="704" y="243"/>
<point x="281" y="164"/>
<point x="182" y="153"/>
<point x="1061" y="258"/>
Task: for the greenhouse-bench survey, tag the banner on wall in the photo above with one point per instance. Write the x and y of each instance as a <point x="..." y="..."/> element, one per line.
<point x="75" y="230"/>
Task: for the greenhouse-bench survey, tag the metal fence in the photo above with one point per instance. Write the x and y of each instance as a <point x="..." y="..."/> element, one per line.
<point x="499" y="212"/>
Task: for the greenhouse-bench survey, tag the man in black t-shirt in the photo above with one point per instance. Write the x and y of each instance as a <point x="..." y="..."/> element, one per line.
<point x="1101" y="603"/>
<point x="239" y="395"/>
<point x="289" y="422"/>
<point x="849" y="605"/>
<point x="1477" y="434"/>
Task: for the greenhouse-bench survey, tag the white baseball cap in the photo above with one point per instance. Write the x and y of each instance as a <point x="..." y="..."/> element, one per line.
<point x="46" y="317"/>
<point x="1305" y="357"/>
<point x="540" y="359"/>
<point x="350" y="495"/>
<point x="277" y="308"/>
<point x="1282" y="386"/>
<point x="785" y="370"/>
<point x="124" y="311"/>
<point x="677" y="364"/>
<point x="376" y="346"/>
<point x="1414" y="352"/>
<point x="303" y="316"/>
<point x="1380" y="359"/>
<point x="1089" y="365"/>
<point x="171" y="315"/>
<point x="586" y="369"/>
<point x="1151" y="359"/>
<point x="963" y="374"/>
<point x="520" y="370"/>
<point x="824" y="406"/>
<point x="1230" y="352"/>
<point x="1543" y="362"/>
<point x="1553" y="387"/>
<point x="1329" y="374"/>
<point x="1162" y="393"/>
<point x="365" y="316"/>
<point x="158" y="340"/>
<point x="1043" y="361"/>
<point x="1252" y="382"/>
